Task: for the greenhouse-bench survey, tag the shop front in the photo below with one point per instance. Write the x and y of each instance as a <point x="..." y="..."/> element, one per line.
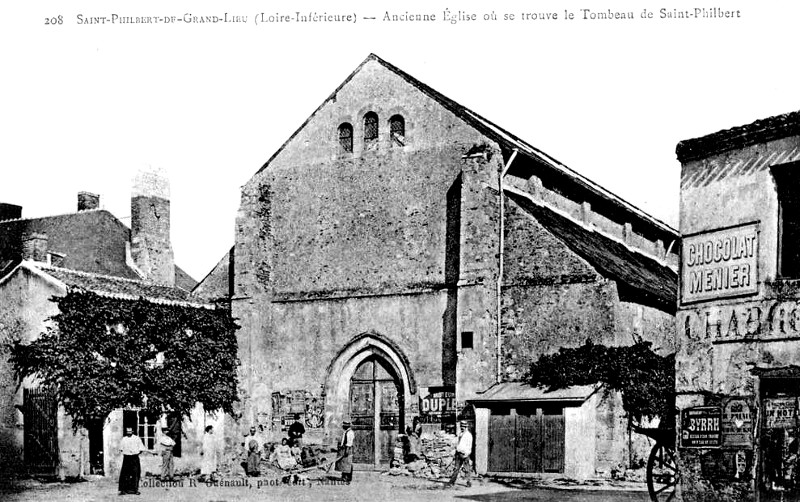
<point x="738" y="321"/>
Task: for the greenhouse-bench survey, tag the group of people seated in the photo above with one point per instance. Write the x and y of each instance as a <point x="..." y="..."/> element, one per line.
<point x="288" y="455"/>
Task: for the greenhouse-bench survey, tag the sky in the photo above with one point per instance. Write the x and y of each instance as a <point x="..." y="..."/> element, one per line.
<point x="84" y="106"/>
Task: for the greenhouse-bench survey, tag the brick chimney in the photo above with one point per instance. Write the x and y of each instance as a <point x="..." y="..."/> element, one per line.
<point x="88" y="200"/>
<point x="34" y="247"/>
<point x="150" y="241"/>
<point x="10" y="211"/>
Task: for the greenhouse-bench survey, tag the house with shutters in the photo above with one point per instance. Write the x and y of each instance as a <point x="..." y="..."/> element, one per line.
<point x="402" y="257"/>
<point x="90" y="250"/>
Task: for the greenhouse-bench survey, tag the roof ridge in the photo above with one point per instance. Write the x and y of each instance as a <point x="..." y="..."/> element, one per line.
<point x="492" y="130"/>
<point x="57" y="215"/>
<point x="741" y="136"/>
<point x="591" y="228"/>
<point x="459" y="110"/>
<point x="44" y="268"/>
<point x="83" y="273"/>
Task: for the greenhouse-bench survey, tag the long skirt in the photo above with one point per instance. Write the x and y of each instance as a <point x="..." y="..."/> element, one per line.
<point x="209" y="464"/>
<point x="345" y="463"/>
<point x="167" y="464"/>
<point x="129" y="474"/>
<point x="253" y="459"/>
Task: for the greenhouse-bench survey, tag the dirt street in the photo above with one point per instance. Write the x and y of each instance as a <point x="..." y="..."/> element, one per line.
<point x="366" y="486"/>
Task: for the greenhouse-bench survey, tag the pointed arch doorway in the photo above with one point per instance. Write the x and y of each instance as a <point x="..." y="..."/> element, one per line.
<point x="369" y="382"/>
<point x="376" y="404"/>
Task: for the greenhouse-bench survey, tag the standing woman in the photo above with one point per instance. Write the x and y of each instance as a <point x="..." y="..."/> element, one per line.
<point x="167" y="461"/>
<point x="344" y="462"/>
<point x="209" y="453"/>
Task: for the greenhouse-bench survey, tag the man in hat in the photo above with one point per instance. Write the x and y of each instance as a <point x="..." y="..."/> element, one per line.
<point x="130" y="446"/>
<point x="463" y="451"/>
<point x="344" y="462"/>
<point x="296" y="431"/>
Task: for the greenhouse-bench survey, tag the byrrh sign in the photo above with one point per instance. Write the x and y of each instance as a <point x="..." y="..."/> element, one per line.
<point x="720" y="264"/>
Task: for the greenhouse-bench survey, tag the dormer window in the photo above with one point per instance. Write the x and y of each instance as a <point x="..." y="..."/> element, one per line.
<point x="370" y="129"/>
<point x="346" y="138"/>
<point x="397" y="131"/>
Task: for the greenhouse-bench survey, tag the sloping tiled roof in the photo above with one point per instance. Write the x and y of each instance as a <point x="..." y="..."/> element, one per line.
<point x="91" y="241"/>
<point x="760" y="131"/>
<point x="504" y="138"/>
<point x="118" y="287"/>
<point x="655" y="282"/>
<point x="520" y="391"/>
<point x="183" y="280"/>
<point x="218" y="283"/>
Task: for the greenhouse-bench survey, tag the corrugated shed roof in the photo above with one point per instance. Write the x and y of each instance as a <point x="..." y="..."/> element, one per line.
<point x="521" y="391"/>
<point x="655" y="281"/>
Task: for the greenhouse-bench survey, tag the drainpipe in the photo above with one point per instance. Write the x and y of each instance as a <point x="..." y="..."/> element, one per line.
<point x="500" y="176"/>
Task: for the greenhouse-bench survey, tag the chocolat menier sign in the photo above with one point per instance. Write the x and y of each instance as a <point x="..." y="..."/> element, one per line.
<point x="720" y="264"/>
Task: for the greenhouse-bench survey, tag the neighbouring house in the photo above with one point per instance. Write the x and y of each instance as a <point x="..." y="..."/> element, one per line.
<point x="737" y="365"/>
<point x="401" y="256"/>
<point x="92" y="250"/>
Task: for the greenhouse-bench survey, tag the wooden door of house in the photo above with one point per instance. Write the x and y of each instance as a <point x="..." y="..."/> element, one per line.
<point x="375" y="404"/>
<point x="96" y="454"/>
<point x="526" y="440"/>
<point x="40" y="436"/>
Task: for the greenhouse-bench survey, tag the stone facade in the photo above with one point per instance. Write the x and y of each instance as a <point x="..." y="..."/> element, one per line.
<point x="353" y="247"/>
<point x="737" y="339"/>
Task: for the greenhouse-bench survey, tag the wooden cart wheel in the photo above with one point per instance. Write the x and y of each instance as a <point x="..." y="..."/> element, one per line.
<point x="662" y="473"/>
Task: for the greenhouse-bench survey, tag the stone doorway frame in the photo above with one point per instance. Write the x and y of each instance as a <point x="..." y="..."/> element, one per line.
<point x="344" y="365"/>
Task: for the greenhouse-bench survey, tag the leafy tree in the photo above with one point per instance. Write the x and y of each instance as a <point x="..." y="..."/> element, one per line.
<point x="645" y="379"/>
<point x="100" y="354"/>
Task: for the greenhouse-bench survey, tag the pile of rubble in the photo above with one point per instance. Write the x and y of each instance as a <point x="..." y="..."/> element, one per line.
<point x="436" y="457"/>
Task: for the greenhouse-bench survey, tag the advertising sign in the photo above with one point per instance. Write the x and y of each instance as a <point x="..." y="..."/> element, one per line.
<point x="719" y="264"/>
<point x="701" y="427"/>
<point x="780" y="412"/>
<point x="437" y="405"/>
<point x="737" y="423"/>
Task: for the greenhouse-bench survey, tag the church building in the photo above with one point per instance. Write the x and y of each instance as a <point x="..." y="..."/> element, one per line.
<point x="401" y="256"/>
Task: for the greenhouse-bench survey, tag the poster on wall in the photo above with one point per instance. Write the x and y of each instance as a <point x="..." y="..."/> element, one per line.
<point x="780" y="412"/>
<point x="288" y="404"/>
<point x="701" y="427"/>
<point x="437" y="405"/>
<point x="737" y="423"/>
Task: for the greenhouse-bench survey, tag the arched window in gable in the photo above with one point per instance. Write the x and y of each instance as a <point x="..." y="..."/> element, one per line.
<point x="397" y="131"/>
<point x="370" y="128"/>
<point x="346" y="138"/>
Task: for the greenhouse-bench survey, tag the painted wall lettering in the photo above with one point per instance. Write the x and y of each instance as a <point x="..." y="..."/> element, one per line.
<point x="767" y="320"/>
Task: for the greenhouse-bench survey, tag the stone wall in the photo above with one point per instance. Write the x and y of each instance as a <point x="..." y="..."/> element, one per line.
<point x="24" y="306"/>
<point x="331" y="244"/>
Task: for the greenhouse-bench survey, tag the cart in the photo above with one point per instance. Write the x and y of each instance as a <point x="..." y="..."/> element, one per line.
<point x="662" y="465"/>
